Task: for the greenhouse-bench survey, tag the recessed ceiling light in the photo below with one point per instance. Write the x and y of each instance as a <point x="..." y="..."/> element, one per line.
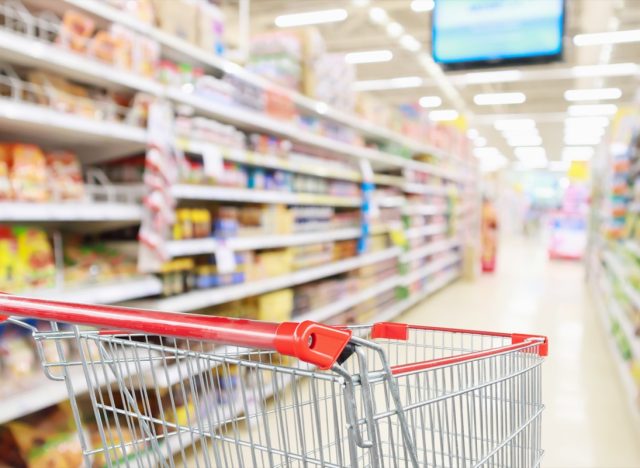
<point x="586" y="122"/>
<point x="378" y="15"/>
<point x="526" y="133"/>
<point x="491" y="99"/>
<point x="503" y="76"/>
<point x="573" y="132"/>
<point x="584" y="139"/>
<point x="595" y="94"/>
<point x="613" y="37"/>
<point x="430" y="101"/>
<point x="369" y="56"/>
<point x="443" y="115"/>
<point x="420" y="6"/>
<point x="395" y="29"/>
<point x="410" y="43"/>
<point x="511" y="124"/>
<point x="360" y="3"/>
<point x="578" y="153"/>
<point x="311" y="17"/>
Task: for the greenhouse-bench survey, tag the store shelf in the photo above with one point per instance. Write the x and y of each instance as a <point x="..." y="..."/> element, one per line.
<point x="251" y="158"/>
<point x="28" y="51"/>
<point x="431" y="268"/>
<point x="104" y="293"/>
<point x="331" y="310"/>
<point x="181" y="50"/>
<point x="210" y="245"/>
<point x="209" y="297"/>
<point x="425" y="189"/>
<point x="428" y="230"/>
<point x="93" y="140"/>
<point x="70" y="212"/>
<point x="425" y="210"/>
<point x="430" y="249"/>
<point x="633" y="247"/>
<point x="212" y="193"/>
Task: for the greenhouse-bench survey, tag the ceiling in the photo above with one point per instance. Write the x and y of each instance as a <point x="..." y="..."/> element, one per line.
<point x="543" y="85"/>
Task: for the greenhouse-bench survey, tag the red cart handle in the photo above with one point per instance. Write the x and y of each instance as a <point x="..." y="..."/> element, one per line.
<point x="308" y="341"/>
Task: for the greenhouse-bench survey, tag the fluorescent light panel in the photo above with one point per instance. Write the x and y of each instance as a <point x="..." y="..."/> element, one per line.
<point x="512" y="124"/>
<point x="486" y="152"/>
<point x="503" y="76"/>
<point x="559" y="166"/>
<point x="473" y="133"/>
<point x="490" y="99"/>
<point x="530" y="152"/>
<point x="586" y="122"/>
<point x="378" y="15"/>
<point x="587" y="110"/>
<point x="613" y="37"/>
<point x="595" y="94"/>
<point x="410" y="43"/>
<point x="420" y="6"/>
<point x="525" y="141"/>
<point x="430" y="101"/>
<point x="369" y="56"/>
<point x="580" y="140"/>
<point x="311" y="17"/>
<point x="578" y="153"/>
<point x="395" y="29"/>
<point x="443" y="115"/>
<point x="611" y="69"/>
<point x="393" y="83"/>
<point x="480" y="142"/>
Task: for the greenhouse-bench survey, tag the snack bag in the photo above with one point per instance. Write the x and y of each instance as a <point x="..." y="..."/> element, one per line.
<point x="65" y="175"/>
<point x="5" y="170"/>
<point x="40" y="440"/>
<point x="76" y="30"/>
<point x="8" y="260"/>
<point x="29" y="173"/>
<point x="35" y="258"/>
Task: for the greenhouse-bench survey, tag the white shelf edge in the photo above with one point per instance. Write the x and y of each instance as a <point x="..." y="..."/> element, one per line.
<point x="430" y="249"/>
<point x="209" y="245"/>
<point x="214" y="193"/>
<point x="209" y="297"/>
<point x="69" y="212"/>
<point x="103" y="293"/>
<point x="424" y="210"/>
<point x="428" y="230"/>
<point x="432" y="268"/>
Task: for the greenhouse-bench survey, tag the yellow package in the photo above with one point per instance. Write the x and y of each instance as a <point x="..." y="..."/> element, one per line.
<point x="276" y="306"/>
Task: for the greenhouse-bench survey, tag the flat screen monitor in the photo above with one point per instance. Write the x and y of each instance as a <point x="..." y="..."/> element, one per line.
<point x="482" y="33"/>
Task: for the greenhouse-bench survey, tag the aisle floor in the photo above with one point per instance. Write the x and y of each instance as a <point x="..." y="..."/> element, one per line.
<point x="587" y="422"/>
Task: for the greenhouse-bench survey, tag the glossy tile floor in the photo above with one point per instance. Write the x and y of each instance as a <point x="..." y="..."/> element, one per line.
<point x="586" y="422"/>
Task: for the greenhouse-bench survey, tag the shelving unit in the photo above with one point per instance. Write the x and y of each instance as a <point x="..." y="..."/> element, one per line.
<point x="97" y="141"/>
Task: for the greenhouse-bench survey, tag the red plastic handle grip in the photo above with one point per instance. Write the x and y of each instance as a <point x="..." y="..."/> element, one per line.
<point x="311" y="342"/>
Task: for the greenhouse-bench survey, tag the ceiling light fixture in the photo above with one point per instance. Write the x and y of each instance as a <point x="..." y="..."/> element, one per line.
<point x="578" y="153"/>
<point x="613" y="37"/>
<point x="311" y="17"/>
<point x="486" y="152"/>
<point x="443" y="115"/>
<point x="430" y="101"/>
<point x="420" y="6"/>
<point x="491" y="99"/>
<point x="410" y="43"/>
<point x="595" y="94"/>
<point x="587" y="110"/>
<point x="517" y="133"/>
<point x="530" y="152"/>
<point x="360" y="3"/>
<point x="395" y="29"/>
<point x="513" y="124"/>
<point x="503" y="76"/>
<point x="473" y="133"/>
<point x="586" y="122"/>
<point x="582" y="140"/>
<point x="610" y="69"/>
<point x="480" y="142"/>
<point x="576" y="132"/>
<point x="393" y="83"/>
<point x="369" y="56"/>
<point x="378" y="15"/>
<point x="525" y="141"/>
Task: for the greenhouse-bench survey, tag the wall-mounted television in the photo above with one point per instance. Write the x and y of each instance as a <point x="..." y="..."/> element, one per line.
<point x="483" y="33"/>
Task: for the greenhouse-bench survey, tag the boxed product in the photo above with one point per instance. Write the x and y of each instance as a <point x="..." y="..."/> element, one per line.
<point x="276" y="306"/>
<point x="210" y="26"/>
<point x="178" y="18"/>
<point x="26" y="259"/>
<point x="269" y="263"/>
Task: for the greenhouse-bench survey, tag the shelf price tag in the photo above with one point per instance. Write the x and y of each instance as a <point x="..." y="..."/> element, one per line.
<point x="225" y="260"/>
<point x="213" y="161"/>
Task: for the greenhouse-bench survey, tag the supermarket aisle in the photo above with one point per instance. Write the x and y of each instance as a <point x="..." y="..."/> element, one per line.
<point x="586" y="422"/>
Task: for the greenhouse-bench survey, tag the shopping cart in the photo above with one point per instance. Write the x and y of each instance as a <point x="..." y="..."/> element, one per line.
<point x="155" y="391"/>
